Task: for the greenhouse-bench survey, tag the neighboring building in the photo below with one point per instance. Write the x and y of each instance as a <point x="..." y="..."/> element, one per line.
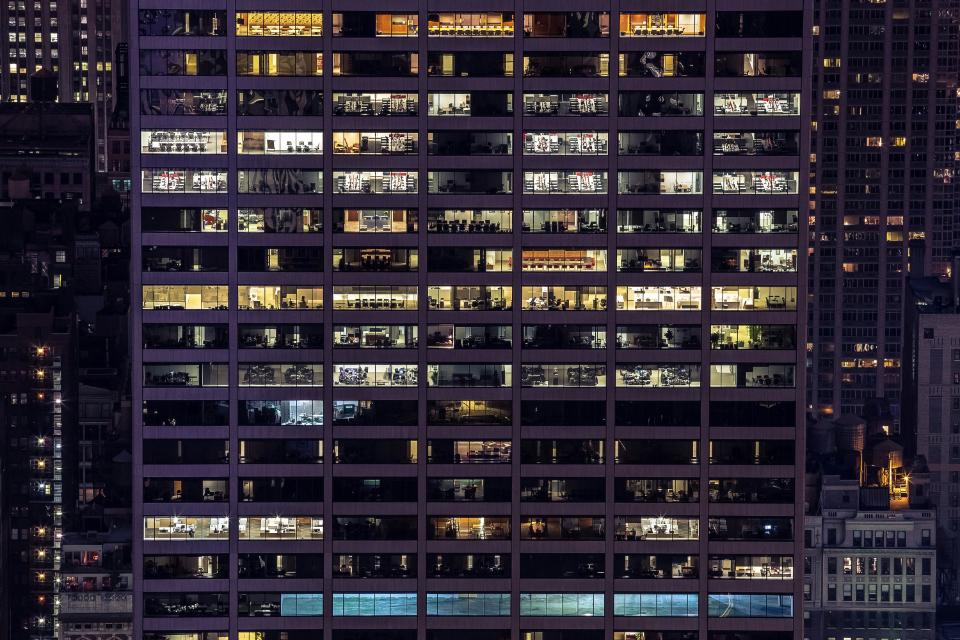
<point x="5" y="586"/>
<point x="527" y="278"/>
<point x="103" y="470"/>
<point x="66" y="457"/>
<point x="96" y="595"/>
<point x="103" y="26"/>
<point x="101" y="528"/>
<point x="870" y="571"/>
<point x="72" y="43"/>
<point x="118" y="132"/>
<point x="948" y="630"/>
<point x="883" y="165"/>
<point x="46" y="152"/>
<point x="932" y="405"/>
<point x="38" y="342"/>
<point x="38" y="391"/>
<point x="101" y="438"/>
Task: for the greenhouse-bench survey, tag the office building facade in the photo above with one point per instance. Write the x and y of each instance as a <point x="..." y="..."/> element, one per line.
<point x="883" y="164"/>
<point x="479" y="320"/>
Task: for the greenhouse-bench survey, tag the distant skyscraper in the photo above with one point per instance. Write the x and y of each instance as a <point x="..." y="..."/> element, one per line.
<point x="883" y="164"/>
<point x="72" y="39"/>
<point x="482" y="323"/>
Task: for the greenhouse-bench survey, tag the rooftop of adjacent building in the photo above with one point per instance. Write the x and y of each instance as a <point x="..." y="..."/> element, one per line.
<point x="30" y="129"/>
<point x="935" y="295"/>
<point x="854" y="464"/>
<point x="846" y="495"/>
<point x="51" y="246"/>
<point x="42" y="321"/>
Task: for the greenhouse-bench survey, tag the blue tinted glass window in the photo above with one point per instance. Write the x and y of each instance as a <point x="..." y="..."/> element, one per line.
<point x="301" y="604"/>
<point x="375" y="604"/>
<point x="561" y="604"/>
<point x="749" y="605"/>
<point x="468" y="604"/>
<point x="673" y="605"/>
